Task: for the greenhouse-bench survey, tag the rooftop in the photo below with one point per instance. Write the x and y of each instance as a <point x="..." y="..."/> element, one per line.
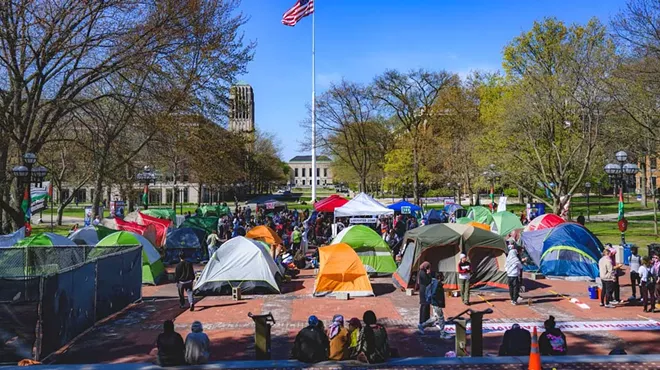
<point x="308" y="158"/>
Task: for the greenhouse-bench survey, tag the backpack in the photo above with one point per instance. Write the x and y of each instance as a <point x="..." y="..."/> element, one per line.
<point x="382" y="349"/>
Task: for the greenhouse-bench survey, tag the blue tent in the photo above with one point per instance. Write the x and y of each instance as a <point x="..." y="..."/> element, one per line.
<point x="434" y="217"/>
<point x="451" y="208"/>
<point x="189" y="240"/>
<point x="405" y="207"/>
<point x="568" y="249"/>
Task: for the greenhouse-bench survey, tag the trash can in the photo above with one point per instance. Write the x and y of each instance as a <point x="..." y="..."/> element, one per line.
<point x="262" y="324"/>
<point x="593" y="292"/>
<point x="627" y="252"/>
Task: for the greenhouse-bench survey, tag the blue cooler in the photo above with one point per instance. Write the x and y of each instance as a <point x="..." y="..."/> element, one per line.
<point x="593" y="292"/>
<point x="626" y="254"/>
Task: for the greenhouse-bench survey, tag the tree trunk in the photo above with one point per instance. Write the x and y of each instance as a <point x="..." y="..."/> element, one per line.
<point x="521" y="197"/>
<point x="642" y="167"/>
<point x="655" y="211"/>
<point x="199" y="195"/>
<point x="98" y="193"/>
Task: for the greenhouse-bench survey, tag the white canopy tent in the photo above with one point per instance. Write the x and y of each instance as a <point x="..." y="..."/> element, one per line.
<point x="362" y="205"/>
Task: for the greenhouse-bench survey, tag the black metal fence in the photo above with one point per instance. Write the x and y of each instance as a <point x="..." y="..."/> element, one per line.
<point x="50" y="295"/>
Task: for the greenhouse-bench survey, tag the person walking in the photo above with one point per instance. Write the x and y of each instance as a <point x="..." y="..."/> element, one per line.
<point x="464" y="270"/>
<point x="212" y="240"/>
<point x="634" y="262"/>
<point x="513" y="268"/>
<point x="647" y="285"/>
<point x="184" y="274"/>
<point x="606" y="271"/>
<point x="424" y="279"/>
<point x="435" y="294"/>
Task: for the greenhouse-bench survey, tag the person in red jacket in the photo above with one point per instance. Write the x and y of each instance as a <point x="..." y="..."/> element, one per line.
<point x="464" y="270"/>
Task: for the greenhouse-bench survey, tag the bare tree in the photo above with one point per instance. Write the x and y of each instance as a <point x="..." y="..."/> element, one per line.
<point x="409" y="97"/>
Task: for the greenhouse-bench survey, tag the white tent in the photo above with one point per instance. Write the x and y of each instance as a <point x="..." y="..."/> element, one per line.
<point x="239" y="262"/>
<point x="362" y="205"/>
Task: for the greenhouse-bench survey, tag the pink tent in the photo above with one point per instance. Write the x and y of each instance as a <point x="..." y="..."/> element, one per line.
<point x="330" y="203"/>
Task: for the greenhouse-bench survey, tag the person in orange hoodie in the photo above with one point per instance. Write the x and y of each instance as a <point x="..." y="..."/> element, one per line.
<point x="339" y="339"/>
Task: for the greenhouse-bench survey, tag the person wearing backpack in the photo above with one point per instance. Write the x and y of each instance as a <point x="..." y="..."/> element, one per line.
<point x="435" y="294"/>
<point x="373" y="346"/>
<point x="552" y="342"/>
<point x="424" y="280"/>
<point x="647" y="285"/>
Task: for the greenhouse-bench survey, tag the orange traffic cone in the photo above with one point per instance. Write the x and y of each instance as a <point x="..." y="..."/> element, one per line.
<point x="534" y="354"/>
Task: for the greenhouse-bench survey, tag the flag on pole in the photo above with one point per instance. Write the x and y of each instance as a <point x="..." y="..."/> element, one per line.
<point x="145" y="196"/>
<point x="620" y="204"/>
<point x="25" y="205"/>
<point x="50" y="190"/>
<point x="301" y="9"/>
<point x="492" y="199"/>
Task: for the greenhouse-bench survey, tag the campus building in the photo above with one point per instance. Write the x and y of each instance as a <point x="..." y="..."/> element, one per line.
<point x="652" y="166"/>
<point x="301" y="170"/>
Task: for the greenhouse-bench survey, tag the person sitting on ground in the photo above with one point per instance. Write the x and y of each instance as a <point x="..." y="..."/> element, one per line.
<point x="516" y="342"/>
<point x="170" y="346"/>
<point x="373" y="346"/>
<point x="311" y="344"/>
<point x="184" y="274"/>
<point x="354" y="326"/>
<point x="197" y="345"/>
<point x="552" y="342"/>
<point x="339" y="339"/>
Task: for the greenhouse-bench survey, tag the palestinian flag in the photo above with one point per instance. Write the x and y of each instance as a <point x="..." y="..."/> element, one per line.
<point x="620" y="204"/>
<point x="25" y="205"/>
<point x="145" y="196"/>
<point x="492" y="199"/>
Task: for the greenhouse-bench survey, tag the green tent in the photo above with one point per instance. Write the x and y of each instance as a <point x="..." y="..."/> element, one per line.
<point x="152" y="266"/>
<point x="480" y="214"/>
<point x="207" y="224"/>
<point x="46" y="240"/>
<point x="373" y="251"/>
<point x="90" y="235"/>
<point x="463" y="220"/>
<point x="504" y="223"/>
<point x="442" y="244"/>
<point x="162" y="213"/>
<point x="210" y="210"/>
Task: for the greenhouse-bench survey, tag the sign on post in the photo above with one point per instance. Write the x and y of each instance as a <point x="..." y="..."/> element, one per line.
<point x="364" y="220"/>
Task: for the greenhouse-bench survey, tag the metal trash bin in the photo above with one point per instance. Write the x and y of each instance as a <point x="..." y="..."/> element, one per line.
<point x="262" y="325"/>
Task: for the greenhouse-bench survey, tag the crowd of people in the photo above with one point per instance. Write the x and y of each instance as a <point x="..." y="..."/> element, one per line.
<point x="644" y="274"/>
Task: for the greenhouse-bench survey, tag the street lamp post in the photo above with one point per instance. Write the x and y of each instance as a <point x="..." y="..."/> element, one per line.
<point x="492" y="176"/>
<point x="26" y="175"/>
<point x="600" y="192"/>
<point x="619" y="174"/>
<point x="146" y="177"/>
<point x="587" y="186"/>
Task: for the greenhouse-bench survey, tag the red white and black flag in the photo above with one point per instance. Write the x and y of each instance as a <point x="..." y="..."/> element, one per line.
<point x="301" y="9"/>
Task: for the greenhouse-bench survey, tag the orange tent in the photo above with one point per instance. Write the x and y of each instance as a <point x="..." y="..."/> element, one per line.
<point x="264" y="234"/>
<point x="479" y="225"/>
<point x="341" y="271"/>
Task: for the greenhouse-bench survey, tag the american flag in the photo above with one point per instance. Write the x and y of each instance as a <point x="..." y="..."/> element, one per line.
<point x="302" y="9"/>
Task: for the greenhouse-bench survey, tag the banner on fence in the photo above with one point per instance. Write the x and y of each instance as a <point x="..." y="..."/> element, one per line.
<point x="629" y="325"/>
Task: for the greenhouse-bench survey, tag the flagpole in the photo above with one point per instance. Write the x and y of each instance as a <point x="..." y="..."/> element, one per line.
<point x="313" y="110"/>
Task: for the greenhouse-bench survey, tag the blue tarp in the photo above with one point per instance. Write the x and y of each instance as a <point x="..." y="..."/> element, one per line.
<point x="400" y="204"/>
<point x="568" y="249"/>
<point x="435" y="217"/>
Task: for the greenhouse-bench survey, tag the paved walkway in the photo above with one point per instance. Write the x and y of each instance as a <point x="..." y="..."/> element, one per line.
<point x="130" y="338"/>
<point x="615" y="216"/>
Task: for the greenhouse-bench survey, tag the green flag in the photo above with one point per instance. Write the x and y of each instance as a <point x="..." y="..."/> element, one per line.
<point x="620" y="204"/>
<point x="145" y="197"/>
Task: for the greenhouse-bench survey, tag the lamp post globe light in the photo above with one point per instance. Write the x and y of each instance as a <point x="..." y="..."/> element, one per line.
<point x="26" y="175"/>
<point x="587" y="186"/>
<point x="620" y="174"/>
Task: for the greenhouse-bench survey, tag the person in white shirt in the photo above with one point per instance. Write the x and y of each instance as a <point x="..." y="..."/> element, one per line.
<point x="647" y="285"/>
<point x="212" y="240"/>
<point x="634" y="261"/>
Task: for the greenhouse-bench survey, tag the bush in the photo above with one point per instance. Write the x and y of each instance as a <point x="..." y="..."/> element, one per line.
<point x="511" y="192"/>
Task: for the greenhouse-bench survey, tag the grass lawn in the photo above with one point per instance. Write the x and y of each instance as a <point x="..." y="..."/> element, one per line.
<point x="639" y="233"/>
<point x="45" y="228"/>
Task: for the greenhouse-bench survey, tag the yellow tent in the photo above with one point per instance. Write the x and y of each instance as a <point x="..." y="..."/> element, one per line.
<point x="264" y="234"/>
<point x="341" y="271"/>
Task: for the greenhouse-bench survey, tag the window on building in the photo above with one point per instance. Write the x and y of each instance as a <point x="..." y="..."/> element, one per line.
<point x="303" y="173"/>
<point x="295" y="172"/>
<point x="81" y="196"/>
<point x="64" y="194"/>
<point x="303" y="182"/>
<point x="318" y="182"/>
<point x="654" y="163"/>
<point x="325" y="172"/>
<point x="318" y="172"/>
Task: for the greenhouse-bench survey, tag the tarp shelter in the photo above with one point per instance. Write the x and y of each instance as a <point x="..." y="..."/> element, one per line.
<point x="545" y="221"/>
<point x="207" y="224"/>
<point x="162" y="213"/>
<point x="362" y="205"/>
<point x="375" y="254"/>
<point x="190" y="241"/>
<point x="405" y="207"/>
<point x="90" y="235"/>
<point x="213" y="210"/>
<point x="434" y="216"/>
<point x="567" y="250"/>
<point x="480" y="214"/>
<point x="148" y="231"/>
<point x="330" y="203"/>
<point x="504" y="223"/>
<point x="240" y="263"/>
<point x="10" y="240"/>
<point x="152" y="266"/>
<point x="265" y="234"/>
<point x="46" y="240"/>
<point x="340" y="270"/>
<point x="442" y="244"/>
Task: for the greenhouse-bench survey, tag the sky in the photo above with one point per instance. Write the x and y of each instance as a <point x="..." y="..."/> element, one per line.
<point x="358" y="40"/>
